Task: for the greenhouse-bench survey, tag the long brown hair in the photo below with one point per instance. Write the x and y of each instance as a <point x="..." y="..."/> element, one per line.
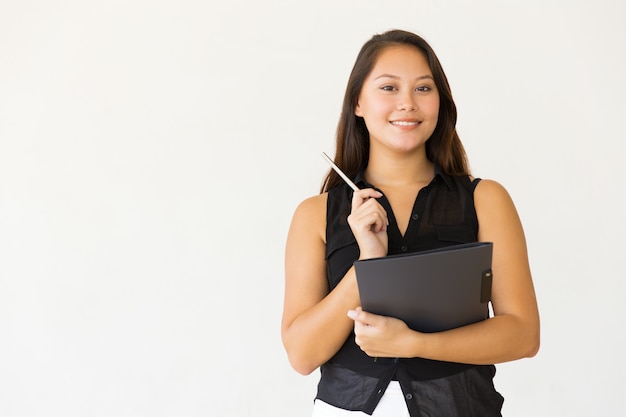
<point x="444" y="147"/>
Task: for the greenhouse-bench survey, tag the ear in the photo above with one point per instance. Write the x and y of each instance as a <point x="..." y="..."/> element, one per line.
<point x="357" y="110"/>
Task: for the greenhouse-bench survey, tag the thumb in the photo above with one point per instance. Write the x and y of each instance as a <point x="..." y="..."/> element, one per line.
<point x="357" y="314"/>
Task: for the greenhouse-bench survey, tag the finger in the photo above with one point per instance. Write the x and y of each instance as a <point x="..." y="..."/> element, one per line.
<point x="374" y="206"/>
<point x="368" y="214"/>
<point x="370" y="221"/>
<point x="354" y="314"/>
<point x="362" y="317"/>
<point x="361" y="196"/>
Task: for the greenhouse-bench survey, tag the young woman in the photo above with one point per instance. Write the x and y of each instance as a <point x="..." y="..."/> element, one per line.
<point x="397" y="141"/>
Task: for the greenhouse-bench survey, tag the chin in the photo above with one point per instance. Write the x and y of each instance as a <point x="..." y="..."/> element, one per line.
<point x="408" y="147"/>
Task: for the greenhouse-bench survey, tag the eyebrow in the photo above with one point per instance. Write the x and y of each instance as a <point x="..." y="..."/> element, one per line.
<point x="421" y="77"/>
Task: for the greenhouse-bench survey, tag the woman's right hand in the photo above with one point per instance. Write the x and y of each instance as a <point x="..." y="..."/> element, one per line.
<point x="368" y="221"/>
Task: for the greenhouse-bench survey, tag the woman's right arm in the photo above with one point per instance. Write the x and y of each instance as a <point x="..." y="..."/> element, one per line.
<point x="314" y="323"/>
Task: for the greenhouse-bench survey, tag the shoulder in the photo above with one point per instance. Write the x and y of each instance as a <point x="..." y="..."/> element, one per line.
<point x="495" y="208"/>
<point x="310" y="216"/>
<point x="490" y="191"/>
<point x="314" y="205"/>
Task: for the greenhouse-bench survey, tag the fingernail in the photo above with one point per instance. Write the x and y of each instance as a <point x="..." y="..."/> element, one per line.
<point x="352" y="314"/>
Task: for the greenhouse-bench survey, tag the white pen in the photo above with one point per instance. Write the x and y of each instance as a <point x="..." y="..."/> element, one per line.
<point x="341" y="174"/>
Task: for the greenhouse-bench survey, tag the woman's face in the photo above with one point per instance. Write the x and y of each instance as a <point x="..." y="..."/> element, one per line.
<point x="399" y="101"/>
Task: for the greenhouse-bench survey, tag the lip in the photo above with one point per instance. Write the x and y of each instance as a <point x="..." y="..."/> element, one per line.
<point x="405" y="123"/>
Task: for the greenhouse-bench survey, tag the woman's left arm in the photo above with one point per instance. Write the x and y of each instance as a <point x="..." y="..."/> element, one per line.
<point x="512" y="333"/>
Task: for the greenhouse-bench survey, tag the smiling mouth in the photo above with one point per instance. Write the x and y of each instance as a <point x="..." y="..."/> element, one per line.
<point x="404" y="123"/>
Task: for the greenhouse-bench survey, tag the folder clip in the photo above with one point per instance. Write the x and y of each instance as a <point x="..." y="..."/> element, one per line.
<point x="485" y="290"/>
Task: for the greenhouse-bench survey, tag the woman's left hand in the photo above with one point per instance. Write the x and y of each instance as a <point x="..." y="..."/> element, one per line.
<point x="381" y="336"/>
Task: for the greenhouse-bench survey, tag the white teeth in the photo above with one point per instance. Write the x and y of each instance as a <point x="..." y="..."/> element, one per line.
<point x="404" y="123"/>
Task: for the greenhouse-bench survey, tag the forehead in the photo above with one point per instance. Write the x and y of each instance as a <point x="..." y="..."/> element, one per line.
<point x="401" y="60"/>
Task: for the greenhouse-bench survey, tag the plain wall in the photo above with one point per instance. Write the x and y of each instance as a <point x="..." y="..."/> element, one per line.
<point x="152" y="154"/>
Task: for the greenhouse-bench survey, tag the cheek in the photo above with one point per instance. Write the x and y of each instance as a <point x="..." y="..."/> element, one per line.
<point x="432" y="109"/>
<point x="434" y="106"/>
<point x="380" y="108"/>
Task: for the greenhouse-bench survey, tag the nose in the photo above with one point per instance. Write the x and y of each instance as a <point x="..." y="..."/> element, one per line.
<point x="406" y="102"/>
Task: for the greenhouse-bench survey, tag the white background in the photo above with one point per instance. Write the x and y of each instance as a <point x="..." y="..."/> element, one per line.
<point x="152" y="154"/>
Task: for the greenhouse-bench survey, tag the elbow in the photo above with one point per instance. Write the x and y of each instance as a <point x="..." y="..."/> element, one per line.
<point x="526" y="338"/>
<point x="531" y="347"/>
<point x="299" y="360"/>
<point x="302" y="367"/>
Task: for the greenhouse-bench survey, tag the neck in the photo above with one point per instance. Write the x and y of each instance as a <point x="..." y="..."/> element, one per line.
<point x="398" y="170"/>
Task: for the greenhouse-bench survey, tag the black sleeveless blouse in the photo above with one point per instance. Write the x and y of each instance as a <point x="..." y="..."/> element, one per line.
<point x="443" y="215"/>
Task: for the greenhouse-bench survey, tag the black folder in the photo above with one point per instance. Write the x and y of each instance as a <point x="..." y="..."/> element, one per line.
<point x="432" y="290"/>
